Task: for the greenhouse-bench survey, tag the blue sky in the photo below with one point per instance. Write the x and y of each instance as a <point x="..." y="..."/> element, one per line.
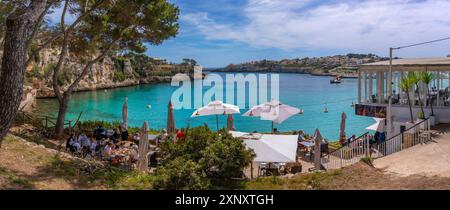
<point x="219" y="32"/>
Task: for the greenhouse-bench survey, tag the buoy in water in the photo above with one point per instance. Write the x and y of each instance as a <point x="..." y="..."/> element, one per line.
<point x="325" y="110"/>
<point x="149" y="106"/>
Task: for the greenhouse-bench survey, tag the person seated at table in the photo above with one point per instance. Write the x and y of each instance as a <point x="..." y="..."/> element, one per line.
<point x="275" y="131"/>
<point x="136" y="137"/>
<point x="124" y="134"/>
<point x="108" y="151"/>
<point x="116" y="135"/>
<point x="164" y="134"/>
<point x="84" y="140"/>
<point x="75" y="144"/>
<point x="100" y="132"/>
<point x="69" y="143"/>
<point x="93" y="148"/>
<point x="134" y="156"/>
<point x="301" y="136"/>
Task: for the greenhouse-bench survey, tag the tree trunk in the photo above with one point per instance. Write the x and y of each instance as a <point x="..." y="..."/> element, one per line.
<point x="19" y="27"/>
<point x="420" y="101"/>
<point x="410" y="108"/>
<point x="431" y="100"/>
<point x="59" y="126"/>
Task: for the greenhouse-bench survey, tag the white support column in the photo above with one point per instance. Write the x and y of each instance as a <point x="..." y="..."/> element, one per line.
<point x="359" y="86"/>
<point x="389" y="85"/>
<point x="365" y="86"/>
<point x="438" y="100"/>
<point x="370" y="85"/>
<point x="382" y="87"/>
<point x="378" y="82"/>
<point x="400" y="91"/>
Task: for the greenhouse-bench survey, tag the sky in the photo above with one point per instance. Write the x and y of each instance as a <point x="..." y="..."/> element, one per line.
<point x="220" y="32"/>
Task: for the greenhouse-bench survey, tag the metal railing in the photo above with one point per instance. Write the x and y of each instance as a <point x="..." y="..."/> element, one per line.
<point x="416" y="134"/>
<point x="46" y="121"/>
<point x="353" y="152"/>
<point x="348" y="154"/>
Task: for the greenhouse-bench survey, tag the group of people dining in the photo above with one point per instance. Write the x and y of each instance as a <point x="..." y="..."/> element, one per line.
<point x="115" y="145"/>
<point x="102" y="143"/>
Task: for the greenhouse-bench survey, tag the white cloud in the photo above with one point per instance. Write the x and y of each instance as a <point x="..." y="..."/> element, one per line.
<point x="352" y="25"/>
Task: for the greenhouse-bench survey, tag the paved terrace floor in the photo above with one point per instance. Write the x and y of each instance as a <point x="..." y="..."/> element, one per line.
<point x="430" y="159"/>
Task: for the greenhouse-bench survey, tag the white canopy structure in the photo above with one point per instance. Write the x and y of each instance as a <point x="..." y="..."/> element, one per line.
<point x="378" y="125"/>
<point x="216" y="108"/>
<point x="271" y="148"/>
<point x="274" y="111"/>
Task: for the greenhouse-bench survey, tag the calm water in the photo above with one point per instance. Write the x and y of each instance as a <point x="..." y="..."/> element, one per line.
<point x="310" y="93"/>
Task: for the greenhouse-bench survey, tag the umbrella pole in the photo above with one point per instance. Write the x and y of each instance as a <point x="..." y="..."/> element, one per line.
<point x="272" y="126"/>
<point x="217" y="122"/>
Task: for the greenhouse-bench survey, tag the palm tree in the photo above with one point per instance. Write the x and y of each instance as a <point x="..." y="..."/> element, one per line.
<point x="405" y="85"/>
<point x="415" y="79"/>
<point x="427" y="78"/>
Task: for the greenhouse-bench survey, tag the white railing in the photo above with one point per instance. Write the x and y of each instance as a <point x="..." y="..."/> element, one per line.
<point x="348" y="154"/>
<point x="359" y="148"/>
<point x="417" y="134"/>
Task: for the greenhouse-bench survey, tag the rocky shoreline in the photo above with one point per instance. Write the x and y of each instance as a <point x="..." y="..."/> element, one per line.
<point x="47" y="92"/>
<point x="295" y="71"/>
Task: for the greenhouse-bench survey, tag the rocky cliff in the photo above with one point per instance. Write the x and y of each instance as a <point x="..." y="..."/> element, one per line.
<point x="111" y="72"/>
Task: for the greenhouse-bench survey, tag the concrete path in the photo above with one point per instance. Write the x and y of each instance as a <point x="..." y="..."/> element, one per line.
<point x="431" y="159"/>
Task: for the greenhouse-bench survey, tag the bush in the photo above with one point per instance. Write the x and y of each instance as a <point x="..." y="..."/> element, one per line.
<point x="181" y="173"/>
<point x="367" y="160"/>
<point x="211" y="158"/>
<point x="90" y="125"/>
<point x="119" y="76"/>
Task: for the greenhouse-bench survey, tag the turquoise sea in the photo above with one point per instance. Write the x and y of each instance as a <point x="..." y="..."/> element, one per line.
<point x="310" y="93"/>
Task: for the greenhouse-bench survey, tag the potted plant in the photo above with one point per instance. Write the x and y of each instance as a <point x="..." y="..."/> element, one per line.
<point x="421" y="115"/>
<point x="427" y="78"/>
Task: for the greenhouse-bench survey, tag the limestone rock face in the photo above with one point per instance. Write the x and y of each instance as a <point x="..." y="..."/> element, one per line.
<point x="28" y="99"/>
<point x="110" y="72"/>
<point x="127" y="69"/>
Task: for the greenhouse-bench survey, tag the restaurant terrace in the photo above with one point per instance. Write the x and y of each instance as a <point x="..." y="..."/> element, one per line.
<point x="374" y="88"/>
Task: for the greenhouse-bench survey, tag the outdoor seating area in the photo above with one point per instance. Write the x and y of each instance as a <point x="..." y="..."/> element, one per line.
<point x="428" y="90"/>
<point x="116" y="146"/>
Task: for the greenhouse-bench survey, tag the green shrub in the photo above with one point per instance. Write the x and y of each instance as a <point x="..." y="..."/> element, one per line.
<point x="119" y="76"/>
<point x="90" y="125"/>
<point x="367" y="160"/>
<point x="212" y="159"/>
<point x="181" y="173"/>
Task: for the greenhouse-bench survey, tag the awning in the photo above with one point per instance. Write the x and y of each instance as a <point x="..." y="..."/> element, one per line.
<point x="409" y="64"/>
<point x="378" y="125"/>
<point x="274" y="148"/>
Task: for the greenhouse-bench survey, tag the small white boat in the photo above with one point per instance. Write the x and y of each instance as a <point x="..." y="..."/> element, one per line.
<point x="336" y="80"/>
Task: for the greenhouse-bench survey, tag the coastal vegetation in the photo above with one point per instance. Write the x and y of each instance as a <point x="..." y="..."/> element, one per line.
<point x="203" y="160"/>
<point x="103" y="27"/>
<point x="27" y="166"/>
<point x="329" y="65"/>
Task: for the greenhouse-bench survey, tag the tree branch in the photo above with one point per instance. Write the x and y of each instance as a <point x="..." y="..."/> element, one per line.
<point x="39" y="22"/>
<point x="66" y="33"/>
<point x="35" y="30"/>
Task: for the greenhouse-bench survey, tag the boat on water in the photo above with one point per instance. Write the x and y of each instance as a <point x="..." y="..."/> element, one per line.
<point x="336" y="80"/>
